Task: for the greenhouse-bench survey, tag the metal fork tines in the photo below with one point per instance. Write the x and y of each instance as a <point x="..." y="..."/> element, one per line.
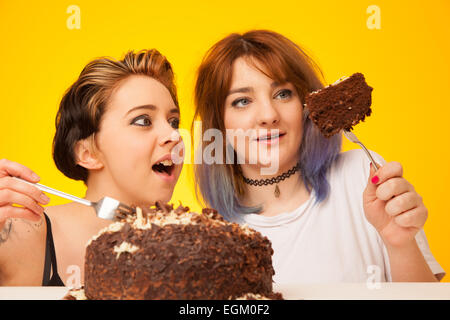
<point x="106" y="208"/>
<point x="352" y="137"/>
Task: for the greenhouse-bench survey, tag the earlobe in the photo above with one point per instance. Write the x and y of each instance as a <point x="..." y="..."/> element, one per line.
<point x="86" y="156"/>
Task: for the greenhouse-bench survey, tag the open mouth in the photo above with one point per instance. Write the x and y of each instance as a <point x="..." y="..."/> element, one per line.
<point x="164" y="167"/>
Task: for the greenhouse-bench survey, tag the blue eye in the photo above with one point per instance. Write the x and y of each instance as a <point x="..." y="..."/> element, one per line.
<point x="284" y="94"/>
<point x="142" y="121"/>
<point x="241" y="102"/>
<point x="175" y="123"/>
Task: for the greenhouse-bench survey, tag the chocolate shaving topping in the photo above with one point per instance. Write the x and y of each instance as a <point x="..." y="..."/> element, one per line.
<point x="181" y="209"/>
<point x="165" y="207"/>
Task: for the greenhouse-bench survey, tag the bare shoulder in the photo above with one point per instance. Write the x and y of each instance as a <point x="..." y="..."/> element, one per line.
<point x="73" y="217"/>
<point x="19" y="232"/>
<point x="22" y="250"/>
<point x="72" y="226"/>
<point x="60" y="213"/>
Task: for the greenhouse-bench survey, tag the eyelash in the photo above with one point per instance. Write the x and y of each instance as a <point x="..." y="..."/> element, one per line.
<point x="177" y="123"/>
<point x="288" y="91"/>
<point x="141" y="117"/>
<point x="235" y="102"/>
<point x="174" y="122"/>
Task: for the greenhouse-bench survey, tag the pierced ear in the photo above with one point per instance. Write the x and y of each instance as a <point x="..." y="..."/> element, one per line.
<point x="86" y="154"/>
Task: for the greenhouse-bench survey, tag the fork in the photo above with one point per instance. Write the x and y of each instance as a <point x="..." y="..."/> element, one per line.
<point x="106" y="208"/>
<point x="352" y="137"/>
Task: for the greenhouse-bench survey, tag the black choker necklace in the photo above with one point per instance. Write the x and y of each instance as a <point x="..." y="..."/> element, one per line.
<point x="277" y="179"/>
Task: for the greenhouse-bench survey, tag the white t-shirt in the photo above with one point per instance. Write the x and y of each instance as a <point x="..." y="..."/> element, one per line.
<point x="332" y="241"/>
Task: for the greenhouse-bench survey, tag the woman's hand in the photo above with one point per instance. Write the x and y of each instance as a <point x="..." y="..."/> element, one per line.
<point x="19" y="193"/>
<point x="392" y="205"/>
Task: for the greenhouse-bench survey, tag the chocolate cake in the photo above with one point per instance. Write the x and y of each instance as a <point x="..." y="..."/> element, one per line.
<point x="340" y="105"/>
<point x="166" y="253"/>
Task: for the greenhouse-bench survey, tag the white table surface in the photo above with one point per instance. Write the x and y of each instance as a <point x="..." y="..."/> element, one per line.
<point x="361" y="291"/>
<point x="341" y="291"/>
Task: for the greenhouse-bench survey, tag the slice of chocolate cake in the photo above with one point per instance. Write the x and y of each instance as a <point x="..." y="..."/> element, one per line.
<point x="340" y="105"/>
<point x="166" y="253"/>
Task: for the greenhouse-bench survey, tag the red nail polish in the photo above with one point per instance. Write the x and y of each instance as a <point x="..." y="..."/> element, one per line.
<point x="375" y="180"/>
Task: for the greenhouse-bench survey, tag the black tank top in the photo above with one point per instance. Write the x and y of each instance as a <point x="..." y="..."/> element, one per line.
<point x="50" y="260"/>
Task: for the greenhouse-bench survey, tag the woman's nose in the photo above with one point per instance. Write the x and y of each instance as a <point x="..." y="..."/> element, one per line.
<point x="169" y="135"/>
<point x="267" y="114"/>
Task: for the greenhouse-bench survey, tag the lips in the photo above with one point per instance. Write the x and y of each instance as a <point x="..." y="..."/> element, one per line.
<point x="270" y="137"/>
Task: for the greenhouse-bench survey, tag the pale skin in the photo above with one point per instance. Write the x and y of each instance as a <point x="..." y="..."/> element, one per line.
<point x="391" y="204"/>
<point x="130" y="141"/>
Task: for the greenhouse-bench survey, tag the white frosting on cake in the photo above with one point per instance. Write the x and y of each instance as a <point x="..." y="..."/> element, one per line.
<point x="339" y="80"/>
<point x="113" y="227"/>
<point x="247" y="230"/>
<point x="162" y="219"/>
<point x="333" y="84"/>
<point x="251" y="296"/>
<point x="78" y="294"/>
<point x="125" y="247"/>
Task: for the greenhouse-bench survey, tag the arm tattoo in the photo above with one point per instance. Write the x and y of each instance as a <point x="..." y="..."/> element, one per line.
<point x="33" y="224"/>
<point x="4" y="233"/>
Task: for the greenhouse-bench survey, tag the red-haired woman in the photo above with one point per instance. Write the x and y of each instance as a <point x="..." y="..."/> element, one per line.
<point x="330" y="217"/>
<point x="115" y="126"/>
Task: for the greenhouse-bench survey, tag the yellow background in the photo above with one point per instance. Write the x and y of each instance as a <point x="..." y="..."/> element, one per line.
<point x="406" y="61"/>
